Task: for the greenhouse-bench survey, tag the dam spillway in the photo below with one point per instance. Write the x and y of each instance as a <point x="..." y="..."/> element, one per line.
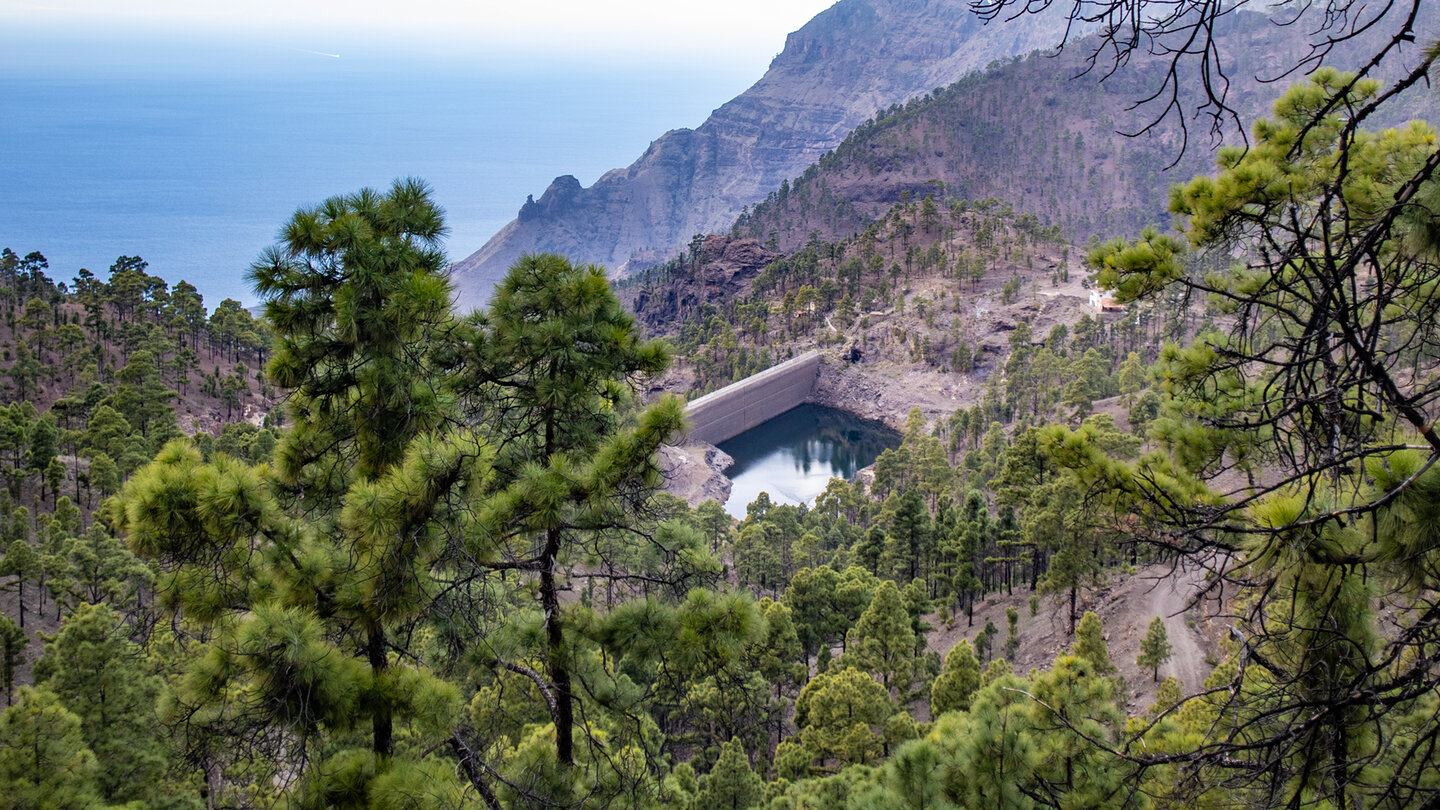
<point x="739" y="406"/>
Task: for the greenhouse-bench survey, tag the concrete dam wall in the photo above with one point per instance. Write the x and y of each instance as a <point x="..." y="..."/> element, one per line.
<point x="737" y="407"/>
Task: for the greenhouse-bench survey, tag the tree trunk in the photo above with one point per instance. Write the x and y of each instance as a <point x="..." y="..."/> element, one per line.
<point x="555" y="658"/>
<point x="380" y="714"/>
<point x="1073" y="590"/>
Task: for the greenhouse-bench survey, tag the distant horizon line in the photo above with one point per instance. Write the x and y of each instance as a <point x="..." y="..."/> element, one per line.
<point x="51" y="46"/>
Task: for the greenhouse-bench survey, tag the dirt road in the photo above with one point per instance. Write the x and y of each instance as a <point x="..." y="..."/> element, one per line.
<point x="1169" y="599"/>
<point x="1126" y="604"/>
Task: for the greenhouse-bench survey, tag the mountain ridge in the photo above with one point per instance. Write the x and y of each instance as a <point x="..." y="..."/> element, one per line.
<point x="1059" y="150"/>
<point x="856" y="57"/>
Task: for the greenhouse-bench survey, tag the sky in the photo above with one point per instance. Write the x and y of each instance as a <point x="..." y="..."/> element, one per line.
<point x="133" y="114"/>
<point x="535" y="32"/>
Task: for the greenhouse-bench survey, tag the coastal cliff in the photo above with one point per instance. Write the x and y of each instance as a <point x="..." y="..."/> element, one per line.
<point x="851" y="60"/>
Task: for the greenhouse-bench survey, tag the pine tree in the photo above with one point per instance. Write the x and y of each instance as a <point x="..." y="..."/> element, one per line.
<point x="43" y="758"/>
<point x="1170" y="693"/>
<point x="776" y="656"/>
<point x="554" y="363"/>
<point x="914" y="779"/>
<point x="106" y="571"/>
<point x="99" y="675"/>
<point x="1090" y="644"/>
<point x="12" y="654"/>
<point x="1012" y="634"/>
<point x="1075" y="705"/>
<point x="731" y="784"/>
<point x="311" y="571"/>
<point x="910" y="536"/>
<point x="1155" y="648"/>
<point x="104" y="475"/>
<point x="840" y="715"/>
<point x="883" y="642"/>
<point x="22" y="562"/>
<point x="811" y="598"/>
<point x="1132" y="378"/>
<point x="985" y="641"/>
<point x="996" y="757"/>
<point x="957" y="682"/>
<point x="1319" y="383"/>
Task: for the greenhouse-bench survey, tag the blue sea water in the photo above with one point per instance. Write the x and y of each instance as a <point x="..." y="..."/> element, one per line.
<point x="195" y="169"/>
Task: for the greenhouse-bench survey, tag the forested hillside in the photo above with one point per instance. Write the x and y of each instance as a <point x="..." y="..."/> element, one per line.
<point x="372" y="552"/>
<point x="337" y="543"/>
<point x="1062" y="149"/>
<point x="101" y="374"/>
<point x="971" y="300"/>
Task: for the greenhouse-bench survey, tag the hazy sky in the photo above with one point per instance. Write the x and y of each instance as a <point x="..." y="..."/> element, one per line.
<point x="749" y="30"/>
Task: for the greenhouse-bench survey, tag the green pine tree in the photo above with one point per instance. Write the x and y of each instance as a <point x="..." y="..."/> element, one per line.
<point x="1090" y="644"/>
<point x="731" y="784"/>
<point x="22" y="562"/>
<point x="309" y="572"/>
<point x="840" y="716"/>
<point x="554" y="363"/>
<point x="883" y="642"/>
<point x="12" y="654"/>
<point x="100" y="675"/>
<point x="43" y="758"/>
<point x="957" y="682"/>
<point x="1155" y="648"/>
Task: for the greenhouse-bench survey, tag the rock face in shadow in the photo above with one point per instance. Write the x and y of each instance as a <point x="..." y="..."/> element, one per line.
<point x="834" y="73"/>
<point x="721" y="270"/>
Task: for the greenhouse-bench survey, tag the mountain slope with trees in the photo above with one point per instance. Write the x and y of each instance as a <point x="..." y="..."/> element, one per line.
<point x="449" y="580"/>
<point x="1050" y="138"/>
<point x="850" y="60"/>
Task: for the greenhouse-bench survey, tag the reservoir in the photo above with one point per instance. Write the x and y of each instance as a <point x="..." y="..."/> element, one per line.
<point x="793" y="456"/>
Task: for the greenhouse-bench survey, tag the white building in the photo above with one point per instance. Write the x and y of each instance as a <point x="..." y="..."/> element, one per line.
<point x="1104" y="301"/>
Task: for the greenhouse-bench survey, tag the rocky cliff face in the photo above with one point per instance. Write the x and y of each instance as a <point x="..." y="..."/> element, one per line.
<point x="721" y="269"/>
<point x="851" y="60"/>
<point x="1047" y="137"/>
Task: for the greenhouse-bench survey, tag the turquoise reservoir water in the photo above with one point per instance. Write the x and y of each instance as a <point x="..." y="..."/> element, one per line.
<point x="793" y="456"/>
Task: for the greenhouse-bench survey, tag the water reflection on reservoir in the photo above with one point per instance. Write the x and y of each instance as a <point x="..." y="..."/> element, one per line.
<point x="793" y="456"/>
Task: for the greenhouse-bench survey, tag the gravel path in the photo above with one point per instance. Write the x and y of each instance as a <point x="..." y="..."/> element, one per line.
<point x="1169" y="599"/>
<point x="1126" y="605"/>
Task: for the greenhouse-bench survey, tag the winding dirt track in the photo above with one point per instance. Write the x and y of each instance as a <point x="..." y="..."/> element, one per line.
<point x="1168" y="599"/>
<point x="1126" y="605"/>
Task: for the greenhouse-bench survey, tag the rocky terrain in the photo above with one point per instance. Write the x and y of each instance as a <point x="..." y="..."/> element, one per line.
<point x="1125" y="602"/>
<point x="1073" y="148"/>
<point x="870" y="367"/>
<point x="724" y="269"/>
<point x="987" y="116"/>
<point x="851" y="60"/>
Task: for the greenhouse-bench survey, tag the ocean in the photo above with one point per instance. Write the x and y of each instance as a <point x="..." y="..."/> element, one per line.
<point x="195" y="170"/>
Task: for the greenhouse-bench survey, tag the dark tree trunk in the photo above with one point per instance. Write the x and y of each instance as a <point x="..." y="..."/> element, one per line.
<point x="1073" y="590"/>
<point x="380" y="714"/>
<point x="555" y="658"/>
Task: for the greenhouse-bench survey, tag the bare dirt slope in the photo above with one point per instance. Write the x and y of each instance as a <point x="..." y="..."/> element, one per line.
<point x="39" y="624"/>
<point x="1125" y="604"/>
<point x="1169" y="598"/>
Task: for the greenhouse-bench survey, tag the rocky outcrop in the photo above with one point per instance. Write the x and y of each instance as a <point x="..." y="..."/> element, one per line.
<point x="695" y="472"/>
<point x="849" y="61"/>
<point x="721" y="270"/>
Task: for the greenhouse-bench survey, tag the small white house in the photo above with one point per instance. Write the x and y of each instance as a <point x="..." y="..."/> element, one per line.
<point x="1104" y="301"/>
